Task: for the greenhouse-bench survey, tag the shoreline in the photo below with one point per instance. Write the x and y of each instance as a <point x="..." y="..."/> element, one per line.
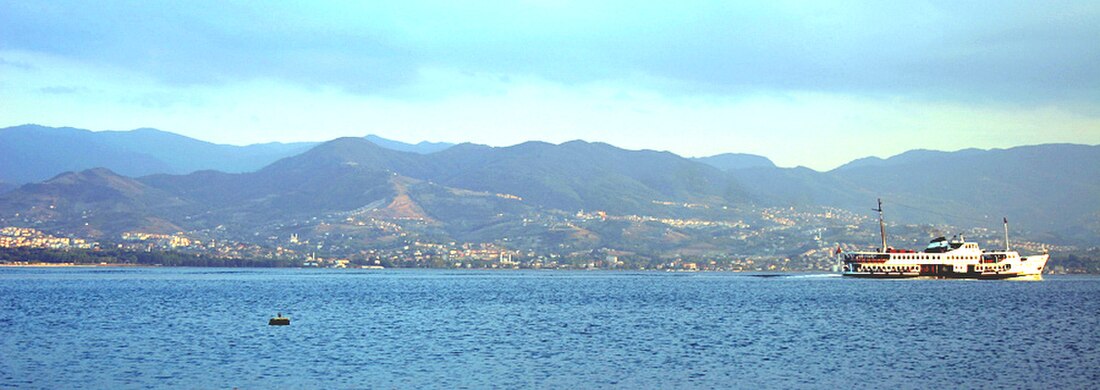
<point x="60" y="265"/>
<point x="747" y="272"/>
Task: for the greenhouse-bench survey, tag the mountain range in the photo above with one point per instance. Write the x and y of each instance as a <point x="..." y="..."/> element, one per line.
<point x="734" y="161"/>
<point x="477" y="192"/>
<point x="31" y="153"/>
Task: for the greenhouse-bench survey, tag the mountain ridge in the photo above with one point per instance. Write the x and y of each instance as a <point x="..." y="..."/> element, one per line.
<point x="422" y="147"/>
<point x="732" y="161"/>
<point x="31" y="153"/>
<point x="1052" y="185"/>
<point x="465" y="188"/>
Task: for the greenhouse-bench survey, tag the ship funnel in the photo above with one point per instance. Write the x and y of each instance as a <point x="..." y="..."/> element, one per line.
<point x="1006" y="234"/>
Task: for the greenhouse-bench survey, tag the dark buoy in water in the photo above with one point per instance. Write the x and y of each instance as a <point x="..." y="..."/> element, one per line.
<point x="279" y="320"/>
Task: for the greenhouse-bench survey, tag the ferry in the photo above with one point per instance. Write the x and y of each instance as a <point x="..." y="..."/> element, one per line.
<point x="943" y="258"/>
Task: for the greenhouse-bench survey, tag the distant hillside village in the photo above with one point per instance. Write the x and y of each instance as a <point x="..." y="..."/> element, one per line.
<point x="17" y="237"/>
<point x="790" y="241"/>
<point x="369" y="202"/>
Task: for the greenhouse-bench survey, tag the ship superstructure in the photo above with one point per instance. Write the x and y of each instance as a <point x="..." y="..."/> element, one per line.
<point x="942" y="258"/>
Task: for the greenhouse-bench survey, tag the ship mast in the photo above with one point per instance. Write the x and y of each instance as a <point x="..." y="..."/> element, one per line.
<point x="1006" y="234"/>
<point x="881" y="224"/>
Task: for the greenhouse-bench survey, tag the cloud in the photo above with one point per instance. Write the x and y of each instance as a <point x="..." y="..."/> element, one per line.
<point x="1003" y="52"/>
<point x="62" y="90"/>
<point x="19" y="65"/>
<point x="777" y="78"/>
<point x="819" y="130"/>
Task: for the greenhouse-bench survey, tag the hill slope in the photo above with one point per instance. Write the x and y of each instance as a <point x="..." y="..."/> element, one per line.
<point x="468" y="190"/>
<point x="32" y="153"/>
<point x="1054" y="188"/>
<point x="92" y="203"/>
<point x="1051" y="187"/>
<point x="732" y="161"/>
<point x="581" y="175"/>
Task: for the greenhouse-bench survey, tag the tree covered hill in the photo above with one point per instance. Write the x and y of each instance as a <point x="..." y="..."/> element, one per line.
<point x="470" y="190"/>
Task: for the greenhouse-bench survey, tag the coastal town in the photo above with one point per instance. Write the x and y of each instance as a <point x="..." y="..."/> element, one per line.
<point x="778" y="240"/>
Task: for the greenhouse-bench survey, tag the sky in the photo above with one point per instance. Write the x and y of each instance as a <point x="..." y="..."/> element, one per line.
<point x="815" y="84"/>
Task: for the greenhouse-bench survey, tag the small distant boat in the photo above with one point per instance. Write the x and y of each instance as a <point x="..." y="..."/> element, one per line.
<point x="943" y="258"/>
<point x="279" y="320"/>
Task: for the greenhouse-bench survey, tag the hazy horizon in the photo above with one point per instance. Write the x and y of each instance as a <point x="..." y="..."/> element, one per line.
<point x="815" y="85"/>
<point x="414" y="142"/>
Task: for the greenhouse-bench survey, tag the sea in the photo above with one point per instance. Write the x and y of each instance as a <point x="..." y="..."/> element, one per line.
<point x="207" y="328"/>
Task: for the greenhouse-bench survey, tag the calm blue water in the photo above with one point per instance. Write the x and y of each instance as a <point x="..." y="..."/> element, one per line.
<point x="207" y="328"/>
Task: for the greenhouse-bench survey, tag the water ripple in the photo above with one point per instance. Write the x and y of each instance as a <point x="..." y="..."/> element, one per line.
<point x="198" y="328"/>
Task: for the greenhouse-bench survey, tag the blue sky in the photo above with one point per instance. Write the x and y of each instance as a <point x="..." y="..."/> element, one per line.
<point x="804" y="83"/>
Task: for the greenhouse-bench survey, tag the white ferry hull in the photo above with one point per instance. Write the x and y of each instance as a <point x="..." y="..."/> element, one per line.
<point x="954" y="259"/>
<point x="944" y="266"/>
